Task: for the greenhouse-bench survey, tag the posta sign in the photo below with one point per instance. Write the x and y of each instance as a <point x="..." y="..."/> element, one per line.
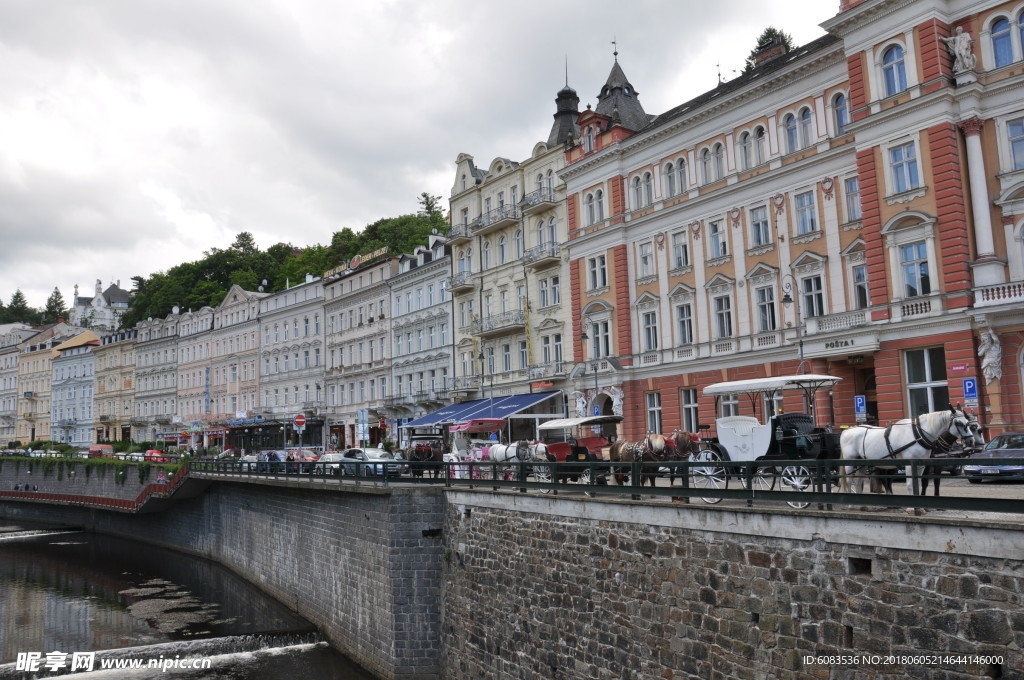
<point x="300" y="420"/>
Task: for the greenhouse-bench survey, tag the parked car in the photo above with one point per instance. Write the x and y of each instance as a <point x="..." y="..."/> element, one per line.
<point x="154" y="456"/>
<point x="986" y="463"/>
<point x="370" y="461"/>
<point x="329" y="464"/>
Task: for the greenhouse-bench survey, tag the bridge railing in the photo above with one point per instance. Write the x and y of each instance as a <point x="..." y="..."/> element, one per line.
<point x="799" y="483"/>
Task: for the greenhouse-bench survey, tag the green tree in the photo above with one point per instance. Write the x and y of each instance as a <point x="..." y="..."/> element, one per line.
<point x="55" y="307"/>
<point x="245" y="244"/>
<point x="767" y="37"/>
<point x="19" y="311"/>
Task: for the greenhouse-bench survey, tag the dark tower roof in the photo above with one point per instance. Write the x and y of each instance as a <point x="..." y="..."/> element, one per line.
<point x="567" y="110"/>
<point x="618" y="101"/>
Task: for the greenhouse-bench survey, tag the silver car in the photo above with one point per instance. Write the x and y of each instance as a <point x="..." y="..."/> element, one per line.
<point x="366" y="462"/>
<point x="989" y="462"/>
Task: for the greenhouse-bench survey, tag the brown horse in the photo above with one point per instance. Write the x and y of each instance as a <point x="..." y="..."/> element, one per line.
<point x="680" y="446"/>
<point x="653" y="448"/>
<point x="423" y="452"/>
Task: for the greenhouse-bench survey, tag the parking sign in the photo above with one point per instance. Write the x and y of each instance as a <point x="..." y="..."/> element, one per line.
<point x="971" y="392"/>
<point x="860" y="408"/>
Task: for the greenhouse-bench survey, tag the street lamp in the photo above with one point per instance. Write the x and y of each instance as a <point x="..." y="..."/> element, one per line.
<point x="787" y="300"/>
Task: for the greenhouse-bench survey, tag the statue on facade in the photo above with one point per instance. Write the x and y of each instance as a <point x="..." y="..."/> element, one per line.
<point x="991" y="352"/>
<point x="581" y="404"/>
<point x="616" y="394"/>
<point x="959" y="45"/>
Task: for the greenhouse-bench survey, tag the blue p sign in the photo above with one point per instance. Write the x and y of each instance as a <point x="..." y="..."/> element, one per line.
<point x="970" y="388"/>
<point x="860" y="404"/>
<point x="597" y="410"/>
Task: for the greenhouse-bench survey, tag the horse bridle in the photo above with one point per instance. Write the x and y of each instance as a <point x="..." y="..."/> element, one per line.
<point x="943" y="443"/>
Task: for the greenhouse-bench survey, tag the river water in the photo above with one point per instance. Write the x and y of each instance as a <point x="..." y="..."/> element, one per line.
<point x="68" y="592"/>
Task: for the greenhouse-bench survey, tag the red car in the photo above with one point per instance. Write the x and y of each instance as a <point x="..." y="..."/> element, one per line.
<point x="154" y="456"/>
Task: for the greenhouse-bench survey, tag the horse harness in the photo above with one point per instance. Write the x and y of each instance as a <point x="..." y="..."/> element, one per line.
<point x="941" y="444"/>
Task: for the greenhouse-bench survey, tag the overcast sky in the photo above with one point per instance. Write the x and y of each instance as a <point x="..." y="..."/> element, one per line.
<point x="136" y="134"/>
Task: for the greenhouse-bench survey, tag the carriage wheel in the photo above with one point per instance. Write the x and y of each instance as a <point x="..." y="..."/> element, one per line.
<point x="763" y="479"/>
<point x="585" y="477"/>
<point x="542" y="474"/>
<point x="709" y="474"/>
<point x="795" y="478"/>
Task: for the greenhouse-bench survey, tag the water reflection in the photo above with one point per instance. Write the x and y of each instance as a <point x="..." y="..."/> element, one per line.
<point x="77" y="592"/>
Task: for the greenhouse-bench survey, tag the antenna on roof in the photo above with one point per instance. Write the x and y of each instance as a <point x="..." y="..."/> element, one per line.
<point x="616" y="52"/>
<point x="567" y="70"/>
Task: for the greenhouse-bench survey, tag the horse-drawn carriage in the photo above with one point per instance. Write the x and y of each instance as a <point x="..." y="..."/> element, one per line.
<point x="580" y="445"/>
<point x="783" y="437"/>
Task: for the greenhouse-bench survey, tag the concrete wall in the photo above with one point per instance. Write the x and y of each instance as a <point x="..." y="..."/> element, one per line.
<point x="363" y="564"/>
<point x="548" y="588"/>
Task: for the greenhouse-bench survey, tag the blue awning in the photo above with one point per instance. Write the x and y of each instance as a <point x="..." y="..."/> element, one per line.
<point x="492" y="407"/>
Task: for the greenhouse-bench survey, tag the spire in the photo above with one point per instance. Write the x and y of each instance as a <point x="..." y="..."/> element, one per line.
<point x="567" y="110"/>
<point x="618" y="97"/>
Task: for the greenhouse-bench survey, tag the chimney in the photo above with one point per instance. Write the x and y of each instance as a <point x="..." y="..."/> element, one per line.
<point x="769" y="50"/>
<point x="849" y="4"/>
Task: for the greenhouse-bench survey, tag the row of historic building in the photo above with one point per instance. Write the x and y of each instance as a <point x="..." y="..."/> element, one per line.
<point x="851" y="207"/>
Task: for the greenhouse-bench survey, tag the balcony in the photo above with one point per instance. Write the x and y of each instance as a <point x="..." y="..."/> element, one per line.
<point x="542" y="256"/>
<point x="106" y="419"/>
<point x="465" y="383"/>
<point x="502" y="216"/>
<point x="459" y="232"/>
<point x="836" y="322"/>
<point x="538" y="201"/>
<point x="67" y="423"/>
<point x="139" y="421"/>
<point x="499" y="324"/>
<point x="163" y="420"/>
<point x="463" y="281"/>
<point x="1000" y="294"/>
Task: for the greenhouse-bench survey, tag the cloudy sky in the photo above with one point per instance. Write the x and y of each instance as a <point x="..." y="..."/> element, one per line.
<point x="136" y="134"/>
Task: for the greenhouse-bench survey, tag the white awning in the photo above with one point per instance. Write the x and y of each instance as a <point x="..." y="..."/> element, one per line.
<point x="568" y="423"/>
<point x="807" y="381"/>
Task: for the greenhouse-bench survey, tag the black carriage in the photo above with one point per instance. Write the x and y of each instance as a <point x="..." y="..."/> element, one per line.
<point x="783" y="437"/>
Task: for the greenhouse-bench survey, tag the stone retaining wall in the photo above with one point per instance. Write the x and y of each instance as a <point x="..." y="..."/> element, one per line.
<point x="545" y="588"/>
<point x="362" y="564"/>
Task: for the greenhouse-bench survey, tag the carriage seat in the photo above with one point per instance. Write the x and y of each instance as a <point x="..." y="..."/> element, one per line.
<point x="737" y="435"/>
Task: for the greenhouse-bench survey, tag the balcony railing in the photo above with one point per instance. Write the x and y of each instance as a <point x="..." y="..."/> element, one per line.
<point x="493" y="219"/>
<point x="499" y="323"/>
<point x="836" y="322"/>
<point x="459" y="232"/>
<point x="538" y="200"/>
<point x="466" y="382"/>
<point x="546" y="253"/>
<point x="460" y="280"/>
<point x="106" y="418"/>
<point x="547" y="370"/>
<point x="999" y="294"/>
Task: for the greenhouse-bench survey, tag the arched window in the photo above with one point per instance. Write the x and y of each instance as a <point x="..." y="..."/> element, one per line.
<point x="648" y="188"/>
<point x="789" y="132"/>
<point x="591" y="215"/>
<point x="760" y="152"/>
<point x="841" y="113"/>
<point x="550" y="182"/>
<point x="485" y="256"/>
<point x="719" y="157"/>
<point x="705" y="166"/>
<point x="540" y="182"/>
<point x="637" y="193"/>
<point x="806" y="135"/>
<point x="599" y="203"/>
<point x="551" y="232"/>
<point x="745" y="151"/>
<point x="894" y="71"/>
<point x="519" y="243"/>
<point x="540" y="233"/>
<point x="670" y="179"/>
<point x="681" y="173"/>
<point x="1002" y="46"/>
<point x="463" y="182"/>
<point x="501" y="250"/>
<point x="588" y="140"/>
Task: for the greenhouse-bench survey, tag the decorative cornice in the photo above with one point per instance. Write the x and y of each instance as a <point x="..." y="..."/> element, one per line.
<point x="971" y="126"/>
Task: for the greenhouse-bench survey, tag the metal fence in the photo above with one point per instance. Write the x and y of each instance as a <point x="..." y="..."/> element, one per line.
<point x="796" y="483"/>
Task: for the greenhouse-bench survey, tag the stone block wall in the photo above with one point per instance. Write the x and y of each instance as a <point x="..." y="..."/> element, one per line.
<point x="362" y="564"/>
<point x="603" y="591"/>
<point x="75" y="477"/>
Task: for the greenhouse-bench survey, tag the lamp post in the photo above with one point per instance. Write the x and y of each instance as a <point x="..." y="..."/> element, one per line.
<point x="787" y="300"/>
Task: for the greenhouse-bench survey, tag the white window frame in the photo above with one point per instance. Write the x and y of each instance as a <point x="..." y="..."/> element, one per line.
<point x="933" y="384"/>
<point x="764" y="303"/>
<point x="805" y="212"/>
<point x="899" y="82"/>
<point x="906" y="169"/>
<point x="645" y="259"/>
<point x="851" y="197"/>
<point x="653" y="403"/>
<point x="724" y="327"/>
<point x="681" y="249"/>
<point x="840" y="113"/>
<point x="649" y="326"/>
<point x="718" y="241"/>
<point x="597" y="272"/>
<point x="760" y="226"/>
<point x="684" y="323"/>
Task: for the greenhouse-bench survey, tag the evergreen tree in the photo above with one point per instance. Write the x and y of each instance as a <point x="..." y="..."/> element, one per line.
<point x="245" y="244"/>
<point x="19" y="311"/>
<point x="766" y="38"/>
<point x="55" y="307"/>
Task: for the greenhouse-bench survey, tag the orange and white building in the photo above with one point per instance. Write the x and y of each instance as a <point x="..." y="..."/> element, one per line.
<point x="854" y="206"/>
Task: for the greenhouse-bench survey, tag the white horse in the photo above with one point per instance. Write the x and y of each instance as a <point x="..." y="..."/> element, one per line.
<point x="908" y="439"/>
<point x="520" y="451"/>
